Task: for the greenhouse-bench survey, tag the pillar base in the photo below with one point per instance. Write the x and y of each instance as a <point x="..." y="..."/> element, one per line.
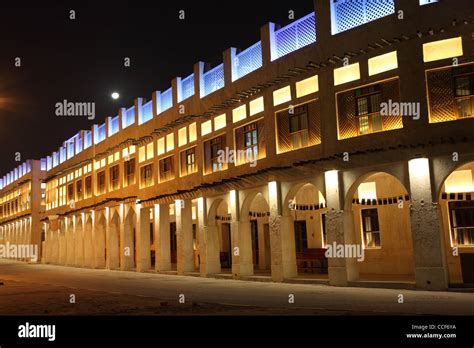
<point x="337" y="276"/>
<point x="431" y="278"/>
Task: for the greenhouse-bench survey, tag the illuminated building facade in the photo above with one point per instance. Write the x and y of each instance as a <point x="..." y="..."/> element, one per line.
<point x="354" y="127"/>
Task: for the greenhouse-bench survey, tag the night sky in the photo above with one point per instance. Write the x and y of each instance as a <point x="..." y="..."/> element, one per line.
<point x="82" y="60"/>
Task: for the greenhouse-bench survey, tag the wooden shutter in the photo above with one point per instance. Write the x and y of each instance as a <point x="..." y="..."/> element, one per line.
<point x="207" y="157"/>
<point x="390" y="91"/>
<point x="283" y="131"/>
<point x="441" y="95"/>
<point x="314" y="123"/>
<point x="262" y="150"/>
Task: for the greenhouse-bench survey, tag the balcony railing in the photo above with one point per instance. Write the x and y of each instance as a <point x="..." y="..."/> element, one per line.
<point x="99" y="134"/>
<point x="129" y="117"/>
<point x="187" y="88"/>
<point x="166" y="99"/>
<point x="294" y="36"/>
<point x="213" y="80"/>
<point x="147" y="112"/>
<point x="114" y="125"/>
<point x="247" y="61"/>
<point x="348" y="14"/>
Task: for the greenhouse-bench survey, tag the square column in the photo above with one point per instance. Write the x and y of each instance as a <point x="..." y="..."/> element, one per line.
<point x="184" y="236"/>
<point x="339" y="230"/>
<point x="62" y="244"/>
<point x="428" y="248"/>
<point x="142" y="238"/>
<point x="282" y="237"/>
<point x="242" y="260"/>
<point x="162" y="237"/>
<point x="208" y="242"/>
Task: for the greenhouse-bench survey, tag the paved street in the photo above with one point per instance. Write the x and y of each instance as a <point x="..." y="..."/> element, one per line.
<point x="46" y="290"/>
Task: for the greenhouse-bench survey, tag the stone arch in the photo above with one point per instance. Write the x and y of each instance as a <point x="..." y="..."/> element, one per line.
<point x="456" y="207"/>
<point x="306" y="205"/>
<point x="255" y="243"/>
<point x="381" y="226"/>
<point x="354" y="179"/>
<point x="219" y="238"/>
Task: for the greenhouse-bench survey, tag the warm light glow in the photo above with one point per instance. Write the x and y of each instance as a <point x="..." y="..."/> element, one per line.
<point x="382" y="63"/>
<point x="219" y="122"/>
<point x="161" y="146"/>
<point x="193" y="213"/>
<point x="192" y="132"/>
<point x="272" y="189"/>
<point x="149" y="151"/>
<point x="238" y="114"/>
<point x="182" y="136"/>
<point x="442" y="49"/>
<point x="141" y="154"/>
<point x="346" y="74"/>
<point x="419" y="168"/>
<point x="206" y="127"/>
<point x="169" y="142"/>
<point x="331" y="179"/>
<point x="307" y="86"/>
<point x="115" y="95"/>
<point x="459" y="181"/>
<point x="281" y="95"/>
<point x="256" y="106"/>
<point x="367" y="190"/>
<point x="321" y="198"/>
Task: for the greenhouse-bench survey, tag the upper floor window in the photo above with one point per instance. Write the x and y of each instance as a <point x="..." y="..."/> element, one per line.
<point x="450" y="93"/>
<point x="299" y="127"/>
<point x="88" y="184"/>
<point x="371" y="109"/>
<point x="213" y="155"/>
<point x="166" y="169"/>
<point x="101" y="182"/>
<point x="146" y="175"/>
<point x="368" y="110"/>
<point x="129" y="172"/>
<point x="464" y="91"/>
<point x="79" y="190"/>
<point x="70" y="192"/>
<point x="114" y="177"/>
<point x="251" y="140"/>
<point x="216" y="146"/>
<point x="188" y="161"/>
